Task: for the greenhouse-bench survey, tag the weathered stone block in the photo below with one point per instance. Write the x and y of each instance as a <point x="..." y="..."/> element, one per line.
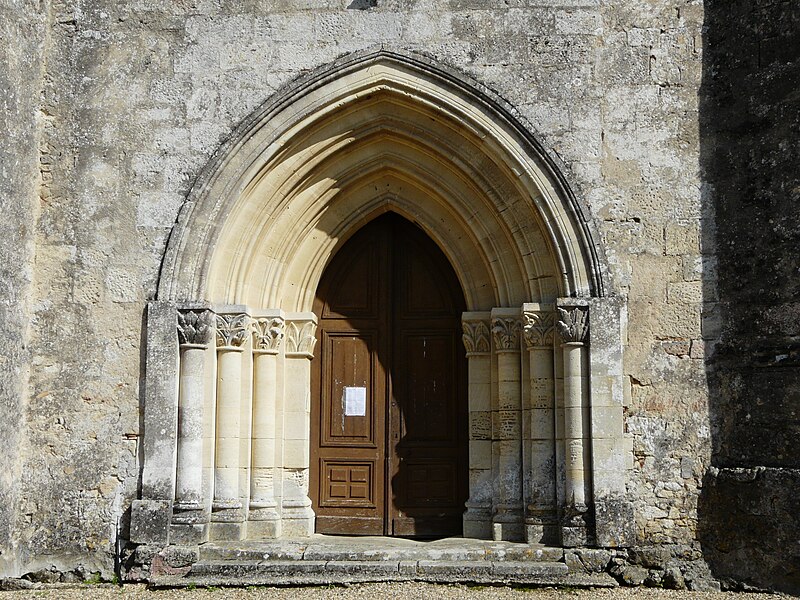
<point x="150" y="521"/>
<point x="614" y="521"/>
<point x="633" y="576"/>
<point x="682" y="238"/>
<point x="180" y="556"/>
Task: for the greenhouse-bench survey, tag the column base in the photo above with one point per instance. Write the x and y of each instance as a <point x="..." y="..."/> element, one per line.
<point x="263" y="523"/>
<point x="227" y="524"/>
<point x="541" y="527"/>
<point x="507" y="524"/>
<point x="477" y="522"/>
<point x="507" y="532"/>
<point x="574" y="537"/>
<point x="297" y="518"/>
<point x="189" y="524"/>
<point x="574" y="527"/>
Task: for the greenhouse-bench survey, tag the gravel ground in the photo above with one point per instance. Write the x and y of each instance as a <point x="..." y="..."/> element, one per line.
<point x="373" y="591"/>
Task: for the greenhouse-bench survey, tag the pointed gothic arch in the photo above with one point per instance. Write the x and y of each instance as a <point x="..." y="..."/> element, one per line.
<point x="316" y="145"/>
<point x="376" y="132"/>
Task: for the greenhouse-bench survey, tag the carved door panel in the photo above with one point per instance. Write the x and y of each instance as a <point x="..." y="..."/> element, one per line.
<point x="389" y="453"/>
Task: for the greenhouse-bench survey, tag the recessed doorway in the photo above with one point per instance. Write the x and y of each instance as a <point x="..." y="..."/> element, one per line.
<point x="389" y="452"/>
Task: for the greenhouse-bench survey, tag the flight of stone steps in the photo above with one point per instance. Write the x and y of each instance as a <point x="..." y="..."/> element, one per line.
<point x="324" y="560"/>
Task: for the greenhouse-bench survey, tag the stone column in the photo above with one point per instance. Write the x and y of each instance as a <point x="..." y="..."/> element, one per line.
<point x="538" y="444"/>
<point x="227" y="511"/>
<point x="572" y="326"/>
<point x="264" y="517"/>
<point x="297" y="514"/>
<point x="478" y="516"/>
<point x="190" y="518"/>
<point x="507" y="518"/>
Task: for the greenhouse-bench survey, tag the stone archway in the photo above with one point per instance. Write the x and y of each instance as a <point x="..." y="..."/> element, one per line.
<point x="227" y="427"/>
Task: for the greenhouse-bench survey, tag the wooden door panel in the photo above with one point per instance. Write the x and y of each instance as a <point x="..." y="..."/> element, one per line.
<point x="348" y="484"/>
<point x="350" y="524"/>
<point x="426" y="385"/>
<point x="350" y="365"/>
<point x="356" y="293"/>
<point x="433" y="526"/>
<point x="429" y="482"/>
<point x="424" y="280"/>
<point x="422" y="291"/>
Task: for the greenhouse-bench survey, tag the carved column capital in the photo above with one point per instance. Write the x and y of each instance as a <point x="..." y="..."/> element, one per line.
<point x="538" y="328"/>
<point x="195" y="327"/>
<point x="301" y="337"/>
<point x="232" y="330"/>
<point x="476" y="337"/>
<point x="268" y="333"/>
<point x="505" y="331"/>
<point x="573" y="324"/>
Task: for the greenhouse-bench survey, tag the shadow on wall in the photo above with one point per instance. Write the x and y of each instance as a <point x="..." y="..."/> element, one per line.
<point x="750" y="152"/>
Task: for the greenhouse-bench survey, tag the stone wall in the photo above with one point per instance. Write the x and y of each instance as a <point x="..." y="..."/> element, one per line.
<point x="750" y="119"/>
<point x="22" y="50"/>
<point x="140" y="94"/>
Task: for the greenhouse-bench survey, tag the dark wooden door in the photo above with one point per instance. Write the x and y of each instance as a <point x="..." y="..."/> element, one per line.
<point x="389" y="449"/>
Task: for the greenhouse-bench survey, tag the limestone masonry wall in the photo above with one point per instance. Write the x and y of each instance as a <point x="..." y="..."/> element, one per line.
<point x="123" y="103"/>
<point x="22" y="116"/>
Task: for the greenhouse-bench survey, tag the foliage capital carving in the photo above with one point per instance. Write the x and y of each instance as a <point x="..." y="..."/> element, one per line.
<point x="301" y="337"/>
<point x="268" y="333"/>
<point x="506" y="332"/>
<point x="476" y="337"/>
<point x="538" y="328"/>
<point x="573" y="324"/>
<point x="232" y="330"/>
<point x="195" y="327"/>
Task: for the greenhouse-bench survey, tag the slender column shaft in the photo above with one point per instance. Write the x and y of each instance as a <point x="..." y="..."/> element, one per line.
<point x="507" y="429"/>
<point x="265" y="371"/>
<point x="190" y="510"/>
<point x="573" y="423"/>
<point x="264" y="516"/>
<point x="227" y="517"/>
<point x="539" y="450"/>
<point x="226" y="456"/>
<point x="191" y="400"/>
<point x="573" y="327"/>
<point x="476" y="338"/>
<point x="506" y="426"/>
<point x="558" y="368"/>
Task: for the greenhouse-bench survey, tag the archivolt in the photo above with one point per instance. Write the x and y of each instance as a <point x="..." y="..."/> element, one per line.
<point x="378" y="132"/>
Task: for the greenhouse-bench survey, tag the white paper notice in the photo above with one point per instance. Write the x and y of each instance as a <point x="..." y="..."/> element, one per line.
<point x="355" y="402"/>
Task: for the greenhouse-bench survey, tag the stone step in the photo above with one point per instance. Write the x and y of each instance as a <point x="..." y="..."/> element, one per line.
<point x="368" y="552"/>
<point x="405" y="567"/>
<point x="322" y="572"/>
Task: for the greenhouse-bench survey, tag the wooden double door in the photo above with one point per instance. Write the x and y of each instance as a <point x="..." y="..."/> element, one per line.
<point x="388" y="412"/>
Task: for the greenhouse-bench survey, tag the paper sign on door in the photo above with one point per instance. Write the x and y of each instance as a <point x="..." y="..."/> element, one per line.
<point x="355" y="402"/>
